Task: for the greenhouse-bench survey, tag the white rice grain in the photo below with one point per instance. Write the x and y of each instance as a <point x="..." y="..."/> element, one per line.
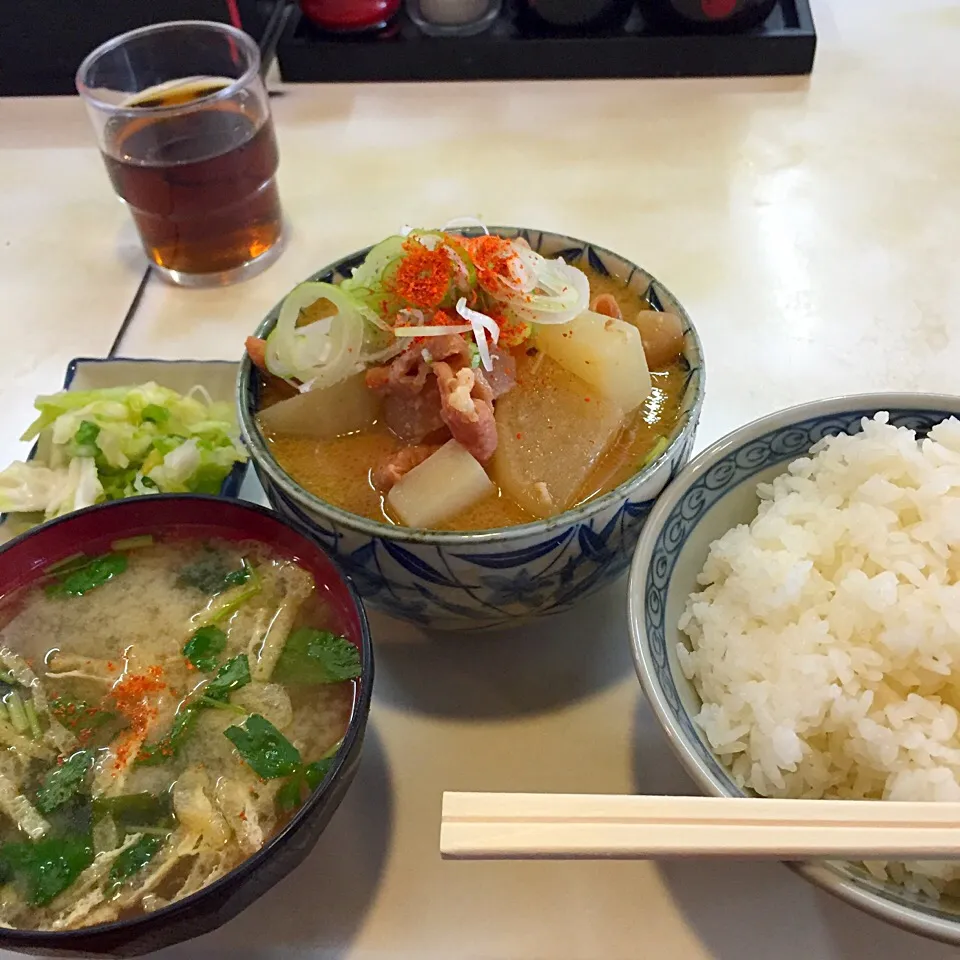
<point x="825" y="641"/>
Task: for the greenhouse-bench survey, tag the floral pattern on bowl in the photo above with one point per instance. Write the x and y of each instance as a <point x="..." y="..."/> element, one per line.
<point x="478" y="580"/>
<point x="714" y="493"/>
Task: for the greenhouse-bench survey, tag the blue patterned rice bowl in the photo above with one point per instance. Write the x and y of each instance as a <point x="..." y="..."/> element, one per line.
<point x="714" y="493"/>
<point x="479" y="580"/>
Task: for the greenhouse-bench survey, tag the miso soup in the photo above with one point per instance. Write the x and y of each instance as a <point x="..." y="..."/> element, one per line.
<point x="166" y="707"/>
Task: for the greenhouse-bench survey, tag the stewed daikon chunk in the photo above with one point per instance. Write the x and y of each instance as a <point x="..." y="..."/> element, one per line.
<point x="335" y="411"/>
<point x="605" y="352"/>
<point x="436" y="490"/>
<point x="552" y="428"/>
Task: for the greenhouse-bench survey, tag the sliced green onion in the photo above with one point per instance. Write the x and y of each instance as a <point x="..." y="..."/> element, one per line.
<point x="370" y="273"/>
<point x="132" y="543"/>
<point x="18" y="716"/>
<point x="149" y="831"/>
<point x="222" y="705"/>
<point x="33" y="720"/>
<point x="659" y="446"/>
<point x="321" y="353"/>
<point x="70" y="561"/>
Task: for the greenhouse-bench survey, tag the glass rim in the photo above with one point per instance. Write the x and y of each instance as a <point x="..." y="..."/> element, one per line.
<point x="244" y="39"/>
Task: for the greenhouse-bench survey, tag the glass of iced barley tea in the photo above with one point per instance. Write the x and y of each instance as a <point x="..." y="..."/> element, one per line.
<point x="183" y="123"/>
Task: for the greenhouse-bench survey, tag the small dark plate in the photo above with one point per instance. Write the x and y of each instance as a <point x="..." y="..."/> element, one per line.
<point x="21" y="562"/>
<point x="217" y="377"/>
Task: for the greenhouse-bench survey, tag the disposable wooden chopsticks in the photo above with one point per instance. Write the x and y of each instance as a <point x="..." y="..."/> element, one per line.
<point x="522" y="826"/>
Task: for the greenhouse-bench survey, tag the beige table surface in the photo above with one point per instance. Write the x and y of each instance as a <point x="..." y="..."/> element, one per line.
<point x="811" y="228"/>
<point x="69" y="259"/>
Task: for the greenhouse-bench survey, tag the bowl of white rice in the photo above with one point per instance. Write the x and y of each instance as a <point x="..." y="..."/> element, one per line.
<point x="795" y="618"/>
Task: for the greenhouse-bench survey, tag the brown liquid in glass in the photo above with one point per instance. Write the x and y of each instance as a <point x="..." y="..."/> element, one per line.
<point x="201" y="185"/>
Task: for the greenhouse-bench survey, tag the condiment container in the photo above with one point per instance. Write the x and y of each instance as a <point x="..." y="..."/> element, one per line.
<point x="566" y="15"/>
<point x="350" y="15"/>
<point x="453" y="18"/>
<point x="706" y="16"/>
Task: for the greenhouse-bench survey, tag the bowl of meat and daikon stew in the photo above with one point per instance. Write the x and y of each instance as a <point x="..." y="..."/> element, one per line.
<point x="475" y="421"/>
<point x="184" y="688"/>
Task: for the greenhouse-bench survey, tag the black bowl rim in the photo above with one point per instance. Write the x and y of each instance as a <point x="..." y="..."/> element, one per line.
<point x="263" y="460"/>
<point x="62" y="939"/>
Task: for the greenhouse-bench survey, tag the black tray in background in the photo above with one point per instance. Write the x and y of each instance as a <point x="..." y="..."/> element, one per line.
<point x="42" y="42"/>
<point x="784" y="45"/>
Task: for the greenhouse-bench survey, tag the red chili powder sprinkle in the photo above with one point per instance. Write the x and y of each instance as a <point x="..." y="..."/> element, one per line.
<point x="443" y="318"/>
<point x="493" y="258"/>
<point x="423" y="276"/>
<point x="132" y="696"/>
<point x="512" y="332"/>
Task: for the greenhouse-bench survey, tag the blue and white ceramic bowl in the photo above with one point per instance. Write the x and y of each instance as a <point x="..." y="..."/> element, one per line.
<point x="715" y="492"/>
<point x="478" y="580"/>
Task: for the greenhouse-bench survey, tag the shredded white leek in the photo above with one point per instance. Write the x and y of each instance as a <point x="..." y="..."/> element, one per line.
<point x="20" y="810"/>
<point x="481" y="325"/>
<point x="437" y="331"/>
<point x="544" y="291"/>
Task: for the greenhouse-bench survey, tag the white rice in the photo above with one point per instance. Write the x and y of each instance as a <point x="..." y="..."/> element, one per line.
<point x="826" y="639"/>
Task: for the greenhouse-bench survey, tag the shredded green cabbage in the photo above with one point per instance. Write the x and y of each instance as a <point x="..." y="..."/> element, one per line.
<point x="121" y="442"/>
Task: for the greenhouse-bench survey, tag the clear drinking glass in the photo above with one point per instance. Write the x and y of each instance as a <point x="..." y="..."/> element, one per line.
<point x="183" y="123"/>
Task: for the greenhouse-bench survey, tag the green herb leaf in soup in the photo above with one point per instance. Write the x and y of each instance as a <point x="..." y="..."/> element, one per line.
<point x="169" y="746"/>
<point x="133" y="860"/>
<point x="212" y="574"/>
<point x="316" y="656"/>
<point x="225" y="604"/>
<point x="233" y="675"/>
<point x="92" y="574"/>
<point x="132" y="810"/>
<point x="265" y="749"/>
<point x="204" y="646"/>
<point x="45" y="868"/>
<point x="302" y="784"/>
<point x="316" y="771"/>
<point x="290" y="795"/>
<point x="64" y="781"/>
<point x="659" y="446"/>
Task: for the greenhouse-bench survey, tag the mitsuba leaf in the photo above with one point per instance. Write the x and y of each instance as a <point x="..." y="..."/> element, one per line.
<point x="316" y="656"/>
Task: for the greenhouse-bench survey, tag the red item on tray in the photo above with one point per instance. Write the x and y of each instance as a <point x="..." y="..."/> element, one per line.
<point x="349" y="14"/>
